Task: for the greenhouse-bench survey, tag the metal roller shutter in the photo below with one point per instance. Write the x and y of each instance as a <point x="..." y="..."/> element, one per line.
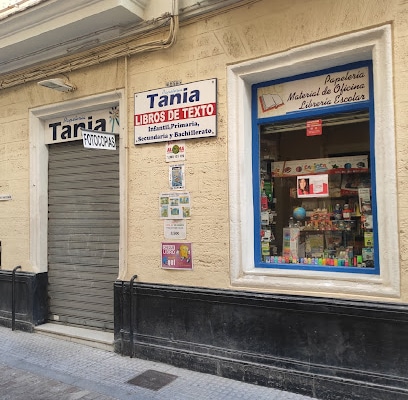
<point x="83" y="234"/>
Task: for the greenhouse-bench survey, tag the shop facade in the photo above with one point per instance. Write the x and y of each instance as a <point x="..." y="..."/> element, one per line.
<point x="224" y="202"/>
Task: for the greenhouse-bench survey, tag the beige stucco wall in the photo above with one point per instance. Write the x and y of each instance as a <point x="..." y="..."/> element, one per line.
<point x="15" y="103"/>
<point x="14" y="165"/>
<point x="203" y="50"/>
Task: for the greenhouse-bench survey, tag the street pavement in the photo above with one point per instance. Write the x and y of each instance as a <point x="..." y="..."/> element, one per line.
<point x="38" y="367"/>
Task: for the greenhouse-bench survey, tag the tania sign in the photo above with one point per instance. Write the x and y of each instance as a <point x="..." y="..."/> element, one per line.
<point x="176" y="113"/>
<point x="69" y="127"/>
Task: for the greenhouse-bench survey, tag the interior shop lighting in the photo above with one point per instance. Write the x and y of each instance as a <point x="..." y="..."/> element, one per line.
<point x="58" y="84"/>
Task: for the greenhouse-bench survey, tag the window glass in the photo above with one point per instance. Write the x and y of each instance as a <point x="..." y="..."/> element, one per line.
<point x="315" y="189"/>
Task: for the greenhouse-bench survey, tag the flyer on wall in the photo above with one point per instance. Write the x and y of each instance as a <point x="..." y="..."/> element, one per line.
<point x="176" y="177"/>
<point x="177" y="256"/>
<point x="175" y="205"/>
<point x="175" y="229"/>
<point x="175" y="151"/>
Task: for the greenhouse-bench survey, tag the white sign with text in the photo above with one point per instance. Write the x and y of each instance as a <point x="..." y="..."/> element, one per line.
<point x="98" y="140"/>
<point x="337" y="88"/>
<point x="69" y="127"/>
<point x="176" y="113"/>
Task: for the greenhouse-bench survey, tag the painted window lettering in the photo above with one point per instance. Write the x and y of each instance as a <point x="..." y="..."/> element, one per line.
<point x="348" y="76"/>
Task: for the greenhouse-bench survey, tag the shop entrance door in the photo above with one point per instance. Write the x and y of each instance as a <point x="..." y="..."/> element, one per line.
<point x="83" y="234"/>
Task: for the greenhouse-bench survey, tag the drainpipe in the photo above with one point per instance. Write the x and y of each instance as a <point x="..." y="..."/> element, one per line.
<point x="122" y="318"/>
<point x="175" y="10"/>
<point x="131" y="315"/>
<point x="13" y="302"/>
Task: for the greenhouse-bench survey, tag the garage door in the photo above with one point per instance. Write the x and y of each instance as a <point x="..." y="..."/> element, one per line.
<point x="83" y="234"/>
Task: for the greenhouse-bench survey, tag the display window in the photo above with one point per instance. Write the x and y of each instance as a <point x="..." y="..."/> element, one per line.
<point x="314" y="172"/>
<point x="324" y="101"/>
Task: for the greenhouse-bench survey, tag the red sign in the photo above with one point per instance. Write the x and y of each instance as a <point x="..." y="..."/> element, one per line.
<point x="176" y="114"/>
<point x="314" y="127"/>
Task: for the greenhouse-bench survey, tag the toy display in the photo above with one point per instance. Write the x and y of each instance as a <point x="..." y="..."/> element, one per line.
<point x="330" y="225"/>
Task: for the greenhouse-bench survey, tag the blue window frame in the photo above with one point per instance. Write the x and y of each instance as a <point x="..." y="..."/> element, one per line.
<point x="316" y="129"/>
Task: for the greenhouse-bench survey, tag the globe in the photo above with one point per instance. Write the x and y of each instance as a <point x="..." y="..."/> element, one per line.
<point x="299" y="213"/>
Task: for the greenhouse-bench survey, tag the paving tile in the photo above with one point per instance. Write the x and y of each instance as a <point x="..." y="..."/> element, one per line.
<point x="38" y="367"/>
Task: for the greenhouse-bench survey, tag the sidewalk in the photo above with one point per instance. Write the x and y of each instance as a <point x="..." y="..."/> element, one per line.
<point x="37" y="367"/>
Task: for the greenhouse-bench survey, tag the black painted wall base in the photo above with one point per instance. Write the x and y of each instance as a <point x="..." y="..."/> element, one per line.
<point x="31" y="307"/>
<point x="324" y="348"/>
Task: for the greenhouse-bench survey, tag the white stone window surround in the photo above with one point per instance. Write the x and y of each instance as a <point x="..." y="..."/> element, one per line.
<point x="39" y="171"/>
<point x="374" y="44"/>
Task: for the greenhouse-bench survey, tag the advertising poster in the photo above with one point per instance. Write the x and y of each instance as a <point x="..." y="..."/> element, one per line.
<point x="177" y="256"/>
<point x="176" y="113"/>
<point x="314" y="127"/>
<point x="313" y="186"/>
<point x="176" y="177"/>
<point x="175" y="205"/>
<point x="335" y="165"/>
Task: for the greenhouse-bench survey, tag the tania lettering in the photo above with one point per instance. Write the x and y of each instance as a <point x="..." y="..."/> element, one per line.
<point x="72" y="131"/>
<point x="174" y="98"/>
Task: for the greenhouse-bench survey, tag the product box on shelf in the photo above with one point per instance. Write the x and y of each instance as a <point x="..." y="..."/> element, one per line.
<point x="293" y="244"/>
